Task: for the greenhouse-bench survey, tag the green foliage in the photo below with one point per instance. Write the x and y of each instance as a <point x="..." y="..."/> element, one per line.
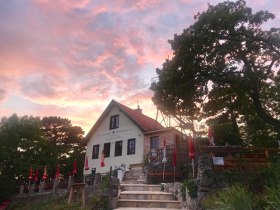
<point x="273" y="198"/>
<point x="190" y="187"/>
<point x="100" y="203"/>
<point x="275" y="159"/>
<point x="21" y="143"/>
<point x="224" y="69"/>
<point x="263" y="187"/>
<point x="59" y="203"/>
<point x="233" y="198"/>
<point x="183" y="189"/>
<point x="272" y="176"/>
<point x="7" y="186"/>
<point x="105" y="181"/>
<point x="29" y="142"/>
<point x="65" y="143"/>
<point x="145" y="161"/>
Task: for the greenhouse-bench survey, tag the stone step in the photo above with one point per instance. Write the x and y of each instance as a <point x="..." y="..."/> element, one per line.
<point x="140" y="187"/>
<point x="147" y="195"/>
<point x="140" y="169"/>
<point x="149" y="203"/>
<point x="131" y="176"/>
<point x="132" y="179"/>
<point x="133" y="172"/>
<point x="138" y="181"/>
<point x="137" y="165"/>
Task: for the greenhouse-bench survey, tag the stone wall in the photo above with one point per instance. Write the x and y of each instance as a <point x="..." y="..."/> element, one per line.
<point x="204" y="174"/>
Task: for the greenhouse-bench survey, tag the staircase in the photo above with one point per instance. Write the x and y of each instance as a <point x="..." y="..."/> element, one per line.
<point x="136" y="194"/>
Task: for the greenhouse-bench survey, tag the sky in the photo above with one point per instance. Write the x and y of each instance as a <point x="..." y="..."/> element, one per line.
<point x="70" y="58"/>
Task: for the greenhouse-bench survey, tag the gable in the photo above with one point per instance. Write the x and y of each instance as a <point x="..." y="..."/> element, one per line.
<point x="143" y="122"/>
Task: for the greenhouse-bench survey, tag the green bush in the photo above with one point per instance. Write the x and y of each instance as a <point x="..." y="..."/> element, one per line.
<point x="105" y="181"/>
<point x="183" y="190"/>
<point x="190" y="187"/>
<point x="233" y="198"/>
<point x="272" y="175"/>
<point x="101" y="203"/>
<point x="273" y="198"/>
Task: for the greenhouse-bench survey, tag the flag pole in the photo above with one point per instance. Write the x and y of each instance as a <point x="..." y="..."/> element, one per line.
<point x="174" y="174"/>
<point x="193" y="167"/>
<point x="164" y="157"/>
<point x="163" y="171"/>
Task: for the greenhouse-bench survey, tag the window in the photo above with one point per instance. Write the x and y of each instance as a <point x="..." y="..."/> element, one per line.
<point x="154" y="143"/>
<point x="130" y="146"/>
<point x="107" y="147"/>
<point x="95" y="151"/>
<point x="114" y="122"/>
<point x="118" y="148"/>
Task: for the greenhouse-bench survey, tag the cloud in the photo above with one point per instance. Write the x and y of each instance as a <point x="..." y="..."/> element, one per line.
<point x="3" y="94"/>
<point x="70" y="58"/>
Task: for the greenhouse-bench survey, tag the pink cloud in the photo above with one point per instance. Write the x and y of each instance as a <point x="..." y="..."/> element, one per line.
<point x="70" y="58"/>
<point x="64" y="5"/>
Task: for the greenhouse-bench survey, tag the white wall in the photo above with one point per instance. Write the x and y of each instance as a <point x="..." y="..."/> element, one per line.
<point x="127" y="130"/>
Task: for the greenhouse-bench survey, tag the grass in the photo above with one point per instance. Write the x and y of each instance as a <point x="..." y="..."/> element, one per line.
<point x="51" y="203"/>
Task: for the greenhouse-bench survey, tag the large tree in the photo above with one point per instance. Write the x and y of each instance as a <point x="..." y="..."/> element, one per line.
<point x="66" y="142"/>
<point x="226" y="63"/>
<point x="21" y="146"/>
<point x="31" y="142"/>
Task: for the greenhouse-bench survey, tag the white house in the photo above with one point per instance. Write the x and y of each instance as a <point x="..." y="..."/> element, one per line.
<point x="126" y="136"/>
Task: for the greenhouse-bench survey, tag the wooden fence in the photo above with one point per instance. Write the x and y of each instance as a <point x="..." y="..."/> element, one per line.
<point x="246" y="159"/>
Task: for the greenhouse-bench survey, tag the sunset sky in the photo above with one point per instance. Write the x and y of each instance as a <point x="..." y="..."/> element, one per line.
<point x="70" y="58"/>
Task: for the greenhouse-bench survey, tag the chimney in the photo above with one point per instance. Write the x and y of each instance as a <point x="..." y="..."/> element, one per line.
<point x="139" y="110"/>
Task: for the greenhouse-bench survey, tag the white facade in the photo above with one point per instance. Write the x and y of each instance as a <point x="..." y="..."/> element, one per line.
<point x="103" y="134"/>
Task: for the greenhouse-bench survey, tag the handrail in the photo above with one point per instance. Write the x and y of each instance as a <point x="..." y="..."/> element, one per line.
<point x="230" y="150"/>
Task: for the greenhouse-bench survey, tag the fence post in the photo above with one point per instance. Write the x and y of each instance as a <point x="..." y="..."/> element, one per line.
<point x="110" y="174"/>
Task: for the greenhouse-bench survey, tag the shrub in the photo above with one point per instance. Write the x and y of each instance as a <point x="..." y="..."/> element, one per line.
<point x="272" y="175"/>
<point x="190" y="187"/>
<point x="105" y="181"/>
<point x="233" y="198"/>
<point x="183" y="190"/>
<point x="273" y="198"/>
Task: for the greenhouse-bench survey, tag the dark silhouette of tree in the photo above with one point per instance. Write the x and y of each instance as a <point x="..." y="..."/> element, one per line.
<point x="31" y="142"/>
<point x="225" y="65"/>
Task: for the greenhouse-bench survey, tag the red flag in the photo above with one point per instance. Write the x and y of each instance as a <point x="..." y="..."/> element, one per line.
<point x="191" y="147"/>
<point x="102" y="164"/>
<point x="74" y="167"/>
<point x="86" y="163"/>
<point x="57" y="171"/>
<point x="45" y="175"/>
<point x="30" y="173"/>
<point x="174" y="163"/>
<point x="36" y="175"/>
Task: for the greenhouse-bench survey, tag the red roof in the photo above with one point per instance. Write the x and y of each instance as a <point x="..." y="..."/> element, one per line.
<point x="144" y="122"/>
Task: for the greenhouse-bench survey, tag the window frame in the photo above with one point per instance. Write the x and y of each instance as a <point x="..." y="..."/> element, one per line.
<point x="114" y="122"/>
<point x="107" y="153"/>
<point x="95" y="152"/>
<point x="154" y="142"/>
<point x="131" y="150"/>
<point x="117" y="151"/>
